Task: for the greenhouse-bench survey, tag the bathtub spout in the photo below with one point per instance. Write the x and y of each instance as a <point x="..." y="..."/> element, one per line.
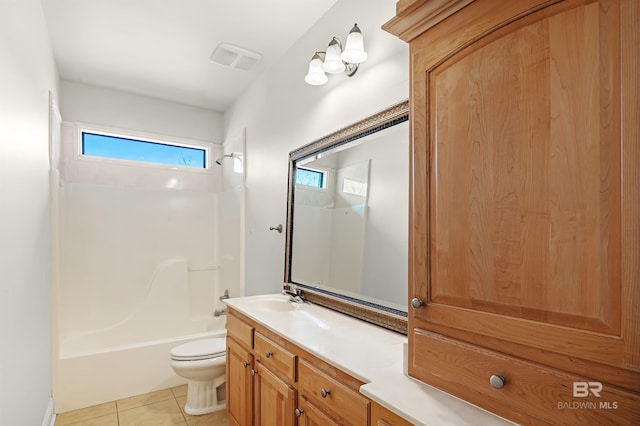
<point x="219" y="312"/>
<point x="225" y="295"/>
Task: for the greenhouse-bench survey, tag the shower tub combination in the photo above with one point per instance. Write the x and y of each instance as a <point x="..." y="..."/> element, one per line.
<point x="132" y="357"/>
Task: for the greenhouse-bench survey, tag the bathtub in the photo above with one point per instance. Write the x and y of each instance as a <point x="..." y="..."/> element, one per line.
<point x="102" y="367"/>
<point x="100" y="357"/>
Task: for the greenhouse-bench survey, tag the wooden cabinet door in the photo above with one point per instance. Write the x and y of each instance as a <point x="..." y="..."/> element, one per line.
<point x="525" y="177"/>
<point x="274" y="399"/>
<point x="312" y="416"/>
<point x="239" y="384"/>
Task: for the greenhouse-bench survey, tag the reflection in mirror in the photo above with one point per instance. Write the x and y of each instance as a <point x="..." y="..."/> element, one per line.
<point x="330" y="226"/>
<point x="347" y="226"/>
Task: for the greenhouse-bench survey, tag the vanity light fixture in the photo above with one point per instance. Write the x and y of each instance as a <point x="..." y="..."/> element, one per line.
<point x="336" y="60"/>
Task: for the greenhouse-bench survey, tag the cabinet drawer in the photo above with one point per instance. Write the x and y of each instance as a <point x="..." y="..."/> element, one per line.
<point x="380" y="416"/>
<point x="239" y="330"/>
<point x="275" y="357"/>
<point x="530" y="390"/>
<point x="331" y="396"/>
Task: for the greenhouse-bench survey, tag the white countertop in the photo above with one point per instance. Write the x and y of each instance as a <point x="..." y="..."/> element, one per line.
<point x="367" y="352"/>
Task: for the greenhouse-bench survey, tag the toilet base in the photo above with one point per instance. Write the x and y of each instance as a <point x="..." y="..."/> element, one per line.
<point x="199" y="411"/>
<point x="202" y="396"/>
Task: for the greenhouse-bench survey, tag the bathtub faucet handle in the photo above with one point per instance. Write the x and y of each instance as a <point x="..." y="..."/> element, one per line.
<point x="225" y="295"/>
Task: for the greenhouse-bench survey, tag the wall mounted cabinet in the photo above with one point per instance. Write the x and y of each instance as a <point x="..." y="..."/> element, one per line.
<point x="524" y="207"/>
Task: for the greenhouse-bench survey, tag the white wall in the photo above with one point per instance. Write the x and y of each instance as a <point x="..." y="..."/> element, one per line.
<point x="281" y="112"/>
<point x="108" y="107"/>
<point x="27" y="74"/>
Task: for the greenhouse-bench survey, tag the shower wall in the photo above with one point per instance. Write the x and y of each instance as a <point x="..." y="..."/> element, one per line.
<point x="143" y="253"/>
<point x="116" y="240"/>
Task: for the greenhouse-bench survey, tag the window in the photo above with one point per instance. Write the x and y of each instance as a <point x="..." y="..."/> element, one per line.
<point x="354" y="187"/>
<point x="309" y="177"/>
<point x="122" y="148"/>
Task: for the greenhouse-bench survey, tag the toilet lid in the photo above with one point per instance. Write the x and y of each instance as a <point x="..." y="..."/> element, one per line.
<point x="199" y="349"/>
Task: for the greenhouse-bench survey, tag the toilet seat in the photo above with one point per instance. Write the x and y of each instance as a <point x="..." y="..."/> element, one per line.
<point x="199" y="350"/>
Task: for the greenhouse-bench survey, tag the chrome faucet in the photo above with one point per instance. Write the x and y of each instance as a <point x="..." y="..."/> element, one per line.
<point x="294" y="293"/>
<point x="219" y="312"/>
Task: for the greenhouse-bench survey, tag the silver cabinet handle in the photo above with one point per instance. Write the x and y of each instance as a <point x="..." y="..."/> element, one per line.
<point x="268" y="354"/>
<point x="416" y="303"/>
<point x="324" y="393"/>
<point x="299" y="412"/>
<point x="245" y="364"/>
<point x="497" y="381"/>
<point x="253" y="372"/>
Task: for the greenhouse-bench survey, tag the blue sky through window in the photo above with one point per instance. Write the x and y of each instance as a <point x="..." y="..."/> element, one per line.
<point x="309" y="177"/>
<point x="137" y="150"/>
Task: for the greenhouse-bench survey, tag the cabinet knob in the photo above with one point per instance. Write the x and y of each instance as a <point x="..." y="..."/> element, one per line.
<point x="299" y="412"/>
<point x="253" y="372"/>
<point x="497" y="381"/>
<point x="268" y="354"/>
<point x="245" y="364"/>
<point x="416" y="303"/>
<point x="324" y="393"/>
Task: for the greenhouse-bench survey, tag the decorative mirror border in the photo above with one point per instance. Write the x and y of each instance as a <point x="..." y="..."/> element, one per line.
<point x="377" y="314"/>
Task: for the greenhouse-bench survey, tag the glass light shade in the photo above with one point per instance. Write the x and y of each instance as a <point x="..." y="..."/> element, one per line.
<point x="354" y="48"/>
<point x="316" y="75"/>
<point x="332" y="62"/>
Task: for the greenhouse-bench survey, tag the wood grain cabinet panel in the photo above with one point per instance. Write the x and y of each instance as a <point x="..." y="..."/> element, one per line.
<point x="336" y="399"/>
<point x="380" y="416"/>
<point x="239" y="385"/>
<point x="275" y="399"/>
<point x="240" y="331"/>
<point x="310" y="415"/>
<point x="275" y="357"/>
<point x="524" y="207"/>
<point x="529" y="389"/>
<point x="269" y="384"/>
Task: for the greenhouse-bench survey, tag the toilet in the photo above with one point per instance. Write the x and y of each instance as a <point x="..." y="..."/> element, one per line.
<point x="202" y="363"/>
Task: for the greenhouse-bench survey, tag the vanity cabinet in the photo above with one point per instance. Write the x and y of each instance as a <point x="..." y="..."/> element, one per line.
<point x="274" y="394"/>
<point x="257" y="390"/>
<point x="524" y="268"/>
<point x="380" y="416"/>
<point x="275" y="399"/>
<point x="272" y="381"/>
<point x="340" y="403"/>
<point x="275" y="357"/>
<point x="310" y="415"/>
<point x="239" y="386"/>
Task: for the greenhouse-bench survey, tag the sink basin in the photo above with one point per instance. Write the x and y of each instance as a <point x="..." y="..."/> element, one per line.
<point x="273" y="303"/>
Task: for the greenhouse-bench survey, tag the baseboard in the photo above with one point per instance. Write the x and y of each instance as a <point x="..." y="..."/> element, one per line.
<point x="49" y="415"/>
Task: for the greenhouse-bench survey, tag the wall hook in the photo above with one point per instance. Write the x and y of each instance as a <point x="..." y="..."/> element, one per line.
<point x="276" y="228"/>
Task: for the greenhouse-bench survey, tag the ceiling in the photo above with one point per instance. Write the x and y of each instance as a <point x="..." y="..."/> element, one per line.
<point x="161" y="48"/>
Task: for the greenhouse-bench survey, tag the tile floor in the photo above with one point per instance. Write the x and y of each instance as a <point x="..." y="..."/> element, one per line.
<point x="160" y="408"/>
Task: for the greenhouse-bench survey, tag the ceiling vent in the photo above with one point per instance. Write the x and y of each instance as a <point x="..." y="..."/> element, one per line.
<point x="235" y="57"/>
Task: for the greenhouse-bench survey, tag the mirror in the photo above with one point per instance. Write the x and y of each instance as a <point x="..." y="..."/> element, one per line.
<point x="347" y="213"/>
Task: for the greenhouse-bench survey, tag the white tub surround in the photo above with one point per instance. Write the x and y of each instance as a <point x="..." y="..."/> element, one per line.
<point x="108" y="374"/>
<point x="96" y="364"/>
<point x="367" y="352"/>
